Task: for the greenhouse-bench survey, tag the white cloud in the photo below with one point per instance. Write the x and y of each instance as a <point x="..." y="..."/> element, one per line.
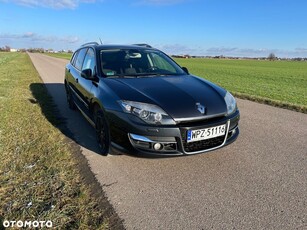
<point x="28" y="35"/>
<point x="301" y="50"/>
<point x="221" y="49"/>
<point x="33" y="37"/>
<point x="54" y="4"/>
<point x="73" y="4"/>
<point x="262" y="52"/>
<point x="177" y="49"/>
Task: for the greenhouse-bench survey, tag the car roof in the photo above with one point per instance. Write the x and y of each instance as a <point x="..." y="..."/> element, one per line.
<point x="115" y="46"/>
<point x="122" y="47"/>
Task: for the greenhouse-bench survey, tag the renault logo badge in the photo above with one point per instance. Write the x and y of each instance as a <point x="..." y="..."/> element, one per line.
<point x="201" y="108"/>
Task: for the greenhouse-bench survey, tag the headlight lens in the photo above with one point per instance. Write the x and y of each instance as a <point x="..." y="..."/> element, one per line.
<point x="149" y="113"/>
<point x="230" y="103"/>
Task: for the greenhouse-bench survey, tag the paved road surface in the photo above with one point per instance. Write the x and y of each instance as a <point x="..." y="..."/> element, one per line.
<point x="259" y="182"/>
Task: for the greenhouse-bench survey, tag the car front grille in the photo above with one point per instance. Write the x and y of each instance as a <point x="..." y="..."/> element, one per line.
<point x="203" y="145"/>
<point x="196" y="146"/>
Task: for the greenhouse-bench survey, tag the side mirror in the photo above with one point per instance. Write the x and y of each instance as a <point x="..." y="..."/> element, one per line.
<point x="185" y="69"/>
<point x="87" y="74"/>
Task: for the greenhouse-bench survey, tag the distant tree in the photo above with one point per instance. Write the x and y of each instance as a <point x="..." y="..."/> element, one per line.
<point x="298" y="59"/>
<point x="5" y="49"/>
<point x="272" y="57"/>
<point x="36" y="50"/>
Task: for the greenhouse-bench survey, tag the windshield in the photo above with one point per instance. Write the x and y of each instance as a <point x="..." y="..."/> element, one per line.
<point x="137" y="62"/>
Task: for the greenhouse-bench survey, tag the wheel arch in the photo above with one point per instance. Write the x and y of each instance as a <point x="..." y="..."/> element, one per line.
<point x="94" y="106"/>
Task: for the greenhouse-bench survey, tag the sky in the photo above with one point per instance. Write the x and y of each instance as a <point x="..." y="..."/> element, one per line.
<point x="242" y="28"/>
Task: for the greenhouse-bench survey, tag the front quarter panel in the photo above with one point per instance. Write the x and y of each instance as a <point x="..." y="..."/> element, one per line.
<point x="105" y="96"/>
<point x="69" y="78"/>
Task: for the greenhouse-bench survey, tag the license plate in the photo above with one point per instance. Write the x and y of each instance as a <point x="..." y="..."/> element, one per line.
<point x="204" y="134"/>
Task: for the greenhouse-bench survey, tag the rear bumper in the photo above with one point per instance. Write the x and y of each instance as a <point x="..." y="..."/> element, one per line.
<point x="131" y="136"/>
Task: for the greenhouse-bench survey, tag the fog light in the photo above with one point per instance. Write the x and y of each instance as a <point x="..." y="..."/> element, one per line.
<point x="232" y="132"/>
<point x="158" y="146"/>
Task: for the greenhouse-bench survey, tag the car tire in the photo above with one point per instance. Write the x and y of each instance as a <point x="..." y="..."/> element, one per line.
<point x="70" y="100"/>
<point x="102" y="132"/>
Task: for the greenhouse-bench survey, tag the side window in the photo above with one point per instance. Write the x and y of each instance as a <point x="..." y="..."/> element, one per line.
<point x="89" y="60"/>
<point x="161" y="63"/>
<point x="74" y="57"/>
<point x="80" y="58"/>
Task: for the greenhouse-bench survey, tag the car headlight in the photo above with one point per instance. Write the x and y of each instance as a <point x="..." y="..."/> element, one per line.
<point x="149" y="113"/>
<point x="230" y="103"/>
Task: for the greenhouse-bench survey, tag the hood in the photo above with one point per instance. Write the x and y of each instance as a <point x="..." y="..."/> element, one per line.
<point x="176" y="95"/>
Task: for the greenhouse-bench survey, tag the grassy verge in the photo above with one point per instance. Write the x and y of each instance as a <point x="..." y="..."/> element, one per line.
<point x="39" y="171"/>
<point x="279" y="83"/>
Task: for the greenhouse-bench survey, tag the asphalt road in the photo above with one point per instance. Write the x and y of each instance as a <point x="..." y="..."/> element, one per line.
<point x="258" y="182"/>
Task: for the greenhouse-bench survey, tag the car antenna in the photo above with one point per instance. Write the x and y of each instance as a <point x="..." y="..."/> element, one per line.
<point x="100" y="41"/>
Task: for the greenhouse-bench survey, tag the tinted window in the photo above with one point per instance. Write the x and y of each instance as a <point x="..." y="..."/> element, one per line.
<point x="80" y="58"/>
<point x="137" y="62"/>
<point x="74" y="57"/>
<point x="161" y="62"/>
<point x="89" y="60"/>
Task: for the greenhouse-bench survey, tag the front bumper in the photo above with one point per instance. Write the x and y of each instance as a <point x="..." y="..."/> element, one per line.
<point x="133" y="137"/>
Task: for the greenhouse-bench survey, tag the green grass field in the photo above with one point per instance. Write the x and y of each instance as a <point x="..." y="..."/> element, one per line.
<point x="39" y="177"/>
<point x="280" y="83"/>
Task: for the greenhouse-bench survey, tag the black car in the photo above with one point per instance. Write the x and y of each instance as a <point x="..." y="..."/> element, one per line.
<point x="141" y="101"/>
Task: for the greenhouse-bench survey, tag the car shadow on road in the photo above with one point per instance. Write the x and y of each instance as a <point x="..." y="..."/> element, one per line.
<point x="51" y="97"/>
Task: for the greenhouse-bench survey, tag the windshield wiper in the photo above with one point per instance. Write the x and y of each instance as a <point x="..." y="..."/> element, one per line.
<point x="152" y="74"/>
<point x="137" y="75"/>
<point x="122" y="76"/>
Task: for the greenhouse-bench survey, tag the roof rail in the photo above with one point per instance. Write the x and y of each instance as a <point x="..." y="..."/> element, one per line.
<point x="90" y="43"/>
<point x="143" y="44"/>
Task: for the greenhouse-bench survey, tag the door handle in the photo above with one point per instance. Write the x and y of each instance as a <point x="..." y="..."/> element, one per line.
<point x="77" y="80"/>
